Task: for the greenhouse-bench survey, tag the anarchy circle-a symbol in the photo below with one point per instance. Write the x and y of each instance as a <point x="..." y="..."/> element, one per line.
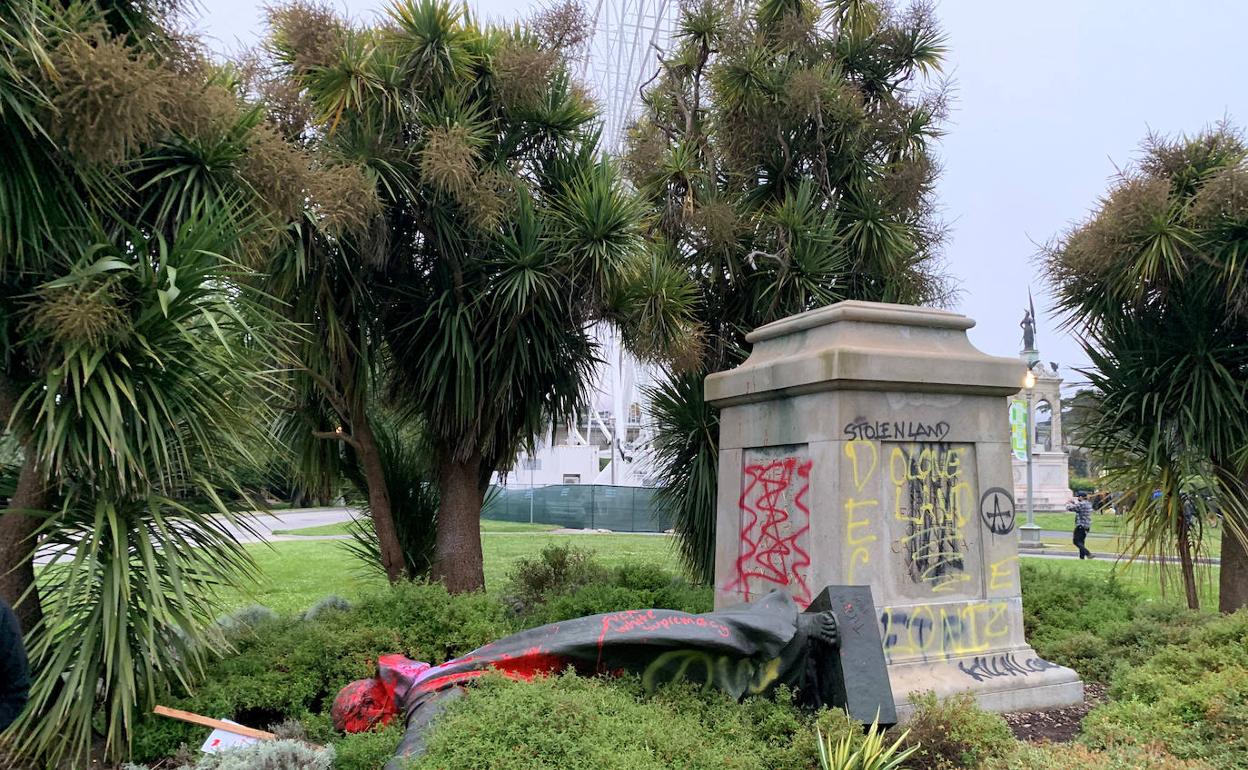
<point x="996" y="508"/>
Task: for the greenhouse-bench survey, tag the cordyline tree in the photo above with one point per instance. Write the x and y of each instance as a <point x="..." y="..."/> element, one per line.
<point x="784" y="153"/>
<point x="326" y="279"/>
<point x="503" y="236"/>
<point x="1154" y="283"/>
<point x="139" y="202"/>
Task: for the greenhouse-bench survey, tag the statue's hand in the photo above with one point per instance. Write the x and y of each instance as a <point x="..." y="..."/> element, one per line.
<point x="825" y="629"/>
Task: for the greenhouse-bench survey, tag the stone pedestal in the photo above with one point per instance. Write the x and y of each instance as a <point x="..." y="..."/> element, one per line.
<point x="865" y="444"/>
<point x="1050" y="478"/>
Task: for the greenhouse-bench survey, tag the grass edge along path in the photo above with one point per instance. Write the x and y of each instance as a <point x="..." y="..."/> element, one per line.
<point x="487" y="525"/>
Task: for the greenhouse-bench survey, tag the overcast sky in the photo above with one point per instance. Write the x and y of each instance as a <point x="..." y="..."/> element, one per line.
<point x="1050" y="99"/>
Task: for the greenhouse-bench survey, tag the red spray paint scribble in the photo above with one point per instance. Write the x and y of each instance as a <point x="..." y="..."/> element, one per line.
<point x="767" y="556"/>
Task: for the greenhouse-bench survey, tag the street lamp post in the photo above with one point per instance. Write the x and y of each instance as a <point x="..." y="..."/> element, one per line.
<point x="1030" y="531"/>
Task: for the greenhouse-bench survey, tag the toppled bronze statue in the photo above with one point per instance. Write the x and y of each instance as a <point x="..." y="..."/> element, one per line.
<point x="749" y="649"/>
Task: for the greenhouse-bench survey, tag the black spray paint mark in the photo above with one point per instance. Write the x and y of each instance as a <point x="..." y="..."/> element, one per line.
<point x="929" y="500"/>
<point x="895" y="430"/>
<point x="985" y="667"/>
<point x="996" y="508"/>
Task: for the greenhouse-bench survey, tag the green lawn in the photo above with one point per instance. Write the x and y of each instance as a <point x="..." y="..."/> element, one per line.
<point x="295" y="575"/>
<point x="1141" y="577"/>
<point x="1101" y="522"/>
<point x="487" y="525"/>
<point x="490" y="525"/>
<point x="325" y="529"/>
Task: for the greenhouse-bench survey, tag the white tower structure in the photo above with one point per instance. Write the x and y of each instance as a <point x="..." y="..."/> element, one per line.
<point x="609" y="443"/>
<point x="622" y="55"/>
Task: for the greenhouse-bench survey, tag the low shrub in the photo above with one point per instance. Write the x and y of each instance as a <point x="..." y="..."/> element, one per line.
<point x="1083" y="484"/>
<point x="573" y="723"/>
<point x="328" y="604"/>
<point x="621" y="590"/>
<point x="246" y="618"/>
<point x="1058" y="604"/>
<point x="291" y="668"/>
<point x="567" y="582"/>
<point x="1067" y="756"/>
<point x="954" y="734"/>
<point x="285" y="669"/>
<point x="556" y="571"/>
<point x="267" y="755"/>
<point x="360" y="751"/>
<point x="1096" y="625"/>
<point x="1190" y="699"/>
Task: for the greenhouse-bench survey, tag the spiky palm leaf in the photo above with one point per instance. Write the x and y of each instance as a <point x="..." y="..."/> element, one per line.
<point x="142" y="352"/>
<point x="131" y="585"/>
<point x="872" y="753"/>
<point x="160" y="388"/>
<point x="412" y="483"/>
<point x="687" y="449"/>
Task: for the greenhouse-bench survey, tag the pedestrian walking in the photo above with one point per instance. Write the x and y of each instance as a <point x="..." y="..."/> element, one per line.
<point x="1083" y="523"/>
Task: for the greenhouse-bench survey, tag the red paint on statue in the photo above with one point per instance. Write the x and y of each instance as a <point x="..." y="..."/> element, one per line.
<point x="363" y="705"/>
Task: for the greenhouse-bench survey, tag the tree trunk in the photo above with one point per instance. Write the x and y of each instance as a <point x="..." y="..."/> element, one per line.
<point x="17" y="540"/>
<point x="1233" y="575"/>
<point x="1233" y="580"/>
<point x="379" y="498"/>
<point x="1188" y="564"/>
<point x="458" y="562"/>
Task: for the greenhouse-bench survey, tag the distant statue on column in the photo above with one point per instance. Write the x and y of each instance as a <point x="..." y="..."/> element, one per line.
<point x="1028" y="326"/>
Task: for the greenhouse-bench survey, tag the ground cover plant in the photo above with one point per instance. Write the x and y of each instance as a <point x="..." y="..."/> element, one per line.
<point x="1176" y="677"/>
<point x="954" y="733"/>
<point x="1097" y="623"/>
<point x="1190" y="697"/>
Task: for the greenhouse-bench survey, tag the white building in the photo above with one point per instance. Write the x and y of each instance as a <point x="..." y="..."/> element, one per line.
<point x="588" y="448"/>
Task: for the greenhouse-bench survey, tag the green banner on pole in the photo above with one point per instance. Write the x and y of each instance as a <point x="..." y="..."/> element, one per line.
<point x="1018" y="427"/>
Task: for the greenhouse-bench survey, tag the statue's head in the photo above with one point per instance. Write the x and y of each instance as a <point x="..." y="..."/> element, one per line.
<point x="363" y="705"/>
<point x="367" y="703"/>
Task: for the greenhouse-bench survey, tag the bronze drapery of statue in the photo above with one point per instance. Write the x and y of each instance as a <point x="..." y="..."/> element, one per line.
<point x="748" y="649"/>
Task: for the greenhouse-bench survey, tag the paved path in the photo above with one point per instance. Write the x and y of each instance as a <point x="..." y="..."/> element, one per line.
<point x="293" y="518"/>
<point x="262" y="526"/>
<point x="1052" y="553"/>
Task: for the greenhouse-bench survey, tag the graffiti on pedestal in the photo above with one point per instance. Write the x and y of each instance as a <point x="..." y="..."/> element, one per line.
<point x="860" y="506"/>
<point x="944" y="630"/>
<point x="932" y="495"/>
<point x="774" y="534"/>
<point x="996" y="507"/>
<point x="985" y="667"/>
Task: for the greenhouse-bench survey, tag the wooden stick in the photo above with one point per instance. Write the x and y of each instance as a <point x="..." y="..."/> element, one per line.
<point x="216" y="724"/>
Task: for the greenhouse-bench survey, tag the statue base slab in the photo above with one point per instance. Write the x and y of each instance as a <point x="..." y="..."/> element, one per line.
<point x="1004" y="681"/>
